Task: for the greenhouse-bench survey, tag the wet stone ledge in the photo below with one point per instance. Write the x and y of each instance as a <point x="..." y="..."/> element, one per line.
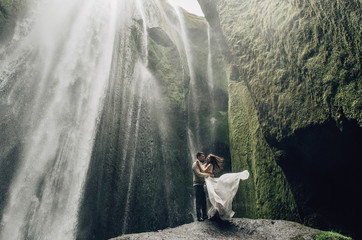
<point x="238" y="228"/>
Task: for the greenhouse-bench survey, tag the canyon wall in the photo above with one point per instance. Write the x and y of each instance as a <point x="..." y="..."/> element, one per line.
<point x="294" y="106"/>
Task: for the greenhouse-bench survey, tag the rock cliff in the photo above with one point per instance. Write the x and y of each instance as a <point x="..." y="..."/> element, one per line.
<point x="157" y="105"/>
<point x="294" y="106"/>
<point x="139" y="177"/>
<point x="286" y="97"/>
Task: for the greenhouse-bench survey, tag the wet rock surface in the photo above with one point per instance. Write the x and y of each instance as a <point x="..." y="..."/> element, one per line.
<point x="294" y="107"/>
<point x="239" y="228"/>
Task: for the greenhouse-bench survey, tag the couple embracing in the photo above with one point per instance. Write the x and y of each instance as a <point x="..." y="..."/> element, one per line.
<point x="221" y="191"/>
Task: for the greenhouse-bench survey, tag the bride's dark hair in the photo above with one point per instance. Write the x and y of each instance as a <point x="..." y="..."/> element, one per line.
<point x="217" y="162"/>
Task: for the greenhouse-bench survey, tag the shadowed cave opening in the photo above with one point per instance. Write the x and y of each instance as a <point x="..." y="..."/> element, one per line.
<point x="323" y="165"/>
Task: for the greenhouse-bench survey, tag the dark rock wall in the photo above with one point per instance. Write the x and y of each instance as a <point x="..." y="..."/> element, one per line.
<point x="294" y="106"/>
<point x="138" y="179"/>
<point x="140" y="176"/>
<point x="212" y="103"/>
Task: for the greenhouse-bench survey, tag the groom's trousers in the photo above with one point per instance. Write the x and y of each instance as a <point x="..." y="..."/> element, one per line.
<point x="200" y="202"/>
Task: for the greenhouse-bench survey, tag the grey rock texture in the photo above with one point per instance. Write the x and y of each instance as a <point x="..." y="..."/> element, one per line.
<point x="294" y="107"/>
<point x="239" y="228"/>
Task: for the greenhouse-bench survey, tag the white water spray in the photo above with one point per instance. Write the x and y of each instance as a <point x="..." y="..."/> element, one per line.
<point x="194" y="141"/>
<point x="210" y="81"/>
<point x="68" y="60"/>
<point x="70" y="80"/>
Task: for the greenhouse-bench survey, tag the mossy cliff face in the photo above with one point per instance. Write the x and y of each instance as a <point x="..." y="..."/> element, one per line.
<point x="295" y="106"/>
<point x="266" y="194"/>
<point x="136" y="179"/>
<point x="212" y="90"/>
<point x="140" y="176"/>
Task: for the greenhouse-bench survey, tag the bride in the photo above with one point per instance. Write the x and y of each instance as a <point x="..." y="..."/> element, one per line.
<point x="221" y="191"/>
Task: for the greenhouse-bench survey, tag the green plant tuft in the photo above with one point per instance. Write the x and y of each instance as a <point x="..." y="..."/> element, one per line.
<point x="331" y="236"/>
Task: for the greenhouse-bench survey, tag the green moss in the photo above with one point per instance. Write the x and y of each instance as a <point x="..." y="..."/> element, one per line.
<point x="166" y="66"/>
<point x="222" y="127"/>
<point x="317" y="49"/>
<point x="266" y="193"/>
<point x="294" y="65"/>
<point x="331" y="236"/>
<point x="164" y="62"/>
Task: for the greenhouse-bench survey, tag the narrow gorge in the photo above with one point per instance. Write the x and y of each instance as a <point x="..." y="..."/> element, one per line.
<point x="103" y="105"/>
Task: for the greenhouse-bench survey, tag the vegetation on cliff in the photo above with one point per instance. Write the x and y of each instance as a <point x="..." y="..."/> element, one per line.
<point x="331" y="236"/>
<point x="289" y="73"/>
<point x="152" y="188"/>
<point x="294" y="106"/>
<point x="266" y="194"/>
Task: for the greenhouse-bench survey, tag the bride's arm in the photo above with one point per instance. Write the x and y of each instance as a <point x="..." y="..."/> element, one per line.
<point x="202" y="167"/>
<point x="197" y="171"/>
<point x="205" y="167"/>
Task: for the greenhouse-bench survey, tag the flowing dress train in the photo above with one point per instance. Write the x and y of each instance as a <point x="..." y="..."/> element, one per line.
<point x="222" y="191"/>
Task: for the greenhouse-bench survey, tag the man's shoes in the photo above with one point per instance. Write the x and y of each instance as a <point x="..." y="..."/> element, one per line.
<point x="200" y="219"/>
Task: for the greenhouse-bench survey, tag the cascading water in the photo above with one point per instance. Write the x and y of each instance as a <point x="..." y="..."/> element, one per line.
<point x="144" y="50"/>
<point x="193" y="131"/>
<point x="210" y="78"/>
<point x="132" y="172"/>
<point x="201" y="95"/>
<point x="68" y="58"/>
<point x="96" y="137"/>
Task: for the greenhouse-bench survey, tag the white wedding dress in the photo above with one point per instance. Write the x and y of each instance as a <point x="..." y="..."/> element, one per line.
<point x="221" y="193"/>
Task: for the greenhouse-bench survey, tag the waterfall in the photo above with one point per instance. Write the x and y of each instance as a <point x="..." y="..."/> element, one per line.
<point x="139" y="102"/>
<point x="144" y="33"/>
<point x="210" y="81"/>
<point x="131" y="171"/>
<point x="97" y="139"/>
<point x="210" y="76"/>
<point x="193" y="131"/>
<point x="65" y="60"/>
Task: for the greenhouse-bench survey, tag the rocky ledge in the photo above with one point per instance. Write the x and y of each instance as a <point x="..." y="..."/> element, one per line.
<point x="238" y="228"/>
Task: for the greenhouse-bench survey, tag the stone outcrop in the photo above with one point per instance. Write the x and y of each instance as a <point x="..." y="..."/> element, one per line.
<point x="294" y="106"/>
<point x="240" y="228"/>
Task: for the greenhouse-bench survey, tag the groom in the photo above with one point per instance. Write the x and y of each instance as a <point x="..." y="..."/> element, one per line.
<point x="198" y="183"/>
